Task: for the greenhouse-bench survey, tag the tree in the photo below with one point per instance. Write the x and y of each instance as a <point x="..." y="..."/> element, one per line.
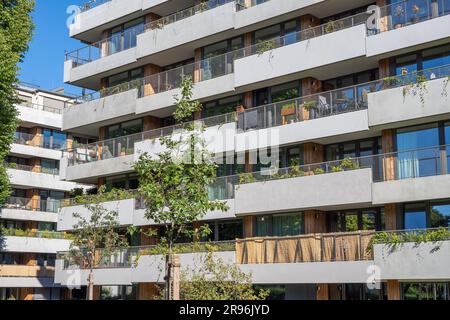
<point x="211" y="278"/>
<point x="95" y="239"/>
<point x="174" y="183"/>
<point x="16" y="28"/>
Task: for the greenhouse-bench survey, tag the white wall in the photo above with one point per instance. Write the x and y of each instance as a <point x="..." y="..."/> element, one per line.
<point x="35" y="245"/>
<point x="21" y="178"/>
<point x="39" y="117"/>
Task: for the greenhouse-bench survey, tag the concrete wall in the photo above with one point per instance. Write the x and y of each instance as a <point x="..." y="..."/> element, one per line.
<point x="312" y="53"/>
<point x="124" y="208"/>
<point x="27" y="215"/>
<point x="199" y="26"/>
<point x="105" y="64"/>
<point x="98" y="110"/>
<point x="26" y="282"/>
<point x="414" y="262"/>
<point x="103" y="14"/>
<point x="347" y="123"/>
<point x="20" y="178"/>
<point x="101" y="168"/>
<point x="38" y="152"/>
<point x="389" y="107"/>
<point x="39" y="117"/>
<point x="204" y="89"/>
<point x="328" y="191"/>
<point x="412" y="35"/>
<point x="35" y="245"/>
<point x="309" y="272"/>
<point x="407" y="190"/>
<point x="270" y="10"/>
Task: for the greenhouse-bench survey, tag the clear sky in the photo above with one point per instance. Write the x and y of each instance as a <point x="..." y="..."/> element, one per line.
<point x="44" y="62"/>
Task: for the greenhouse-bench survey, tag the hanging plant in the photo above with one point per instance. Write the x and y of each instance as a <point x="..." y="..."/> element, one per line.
<point x="418" y="88"/>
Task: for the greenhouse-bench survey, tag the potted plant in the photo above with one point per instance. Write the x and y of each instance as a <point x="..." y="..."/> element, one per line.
<point x="288" y="109"/>
<point x="123" y="151"/>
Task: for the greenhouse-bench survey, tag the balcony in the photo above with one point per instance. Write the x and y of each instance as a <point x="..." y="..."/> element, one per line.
<point x="193" y="28"/>
<point x="45" y="116"/>
<point x="38" y="177"/>
<point x="414" y="175"/>
<point x="33" y="146"/>
<point x="416" y="98"/>
<point x="26" y="209"/>
<point x="414" y="261"/>
<point x="410" y="24"/>
<point x="26" y="271"/>
<point x="34" y="242"/>
<point x="338" y="190"/>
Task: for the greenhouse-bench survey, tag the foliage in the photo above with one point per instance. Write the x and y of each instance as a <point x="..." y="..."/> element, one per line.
<point x="265" y="46"/>
<point x="47" y="234"/>
<point x="319" y="171"/>
<point x="174" y="183"/>
<point x="101" y="197"/>
<point x="246" y="177"/>
<point x="419" y="87"/>
<point x="394" y="239"/>
<point x="15" y="33"/>
<point x="211" y="278"/>
<point x="308" y="105"/>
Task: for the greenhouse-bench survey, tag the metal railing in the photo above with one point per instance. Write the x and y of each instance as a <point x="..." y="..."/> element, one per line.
<point x="127" y="258"/>
<point x="405" y="13"/>
<point x="33" y="233"/>
<point x="92" y="4"/>
<point x="245" y="4"/>
<point x="19" y="203"/>
<point x="128" y="39"/>
<point x="319" y="105"/>
<point x="125" y="145"/>
<point x="42" y="107"/>
<point x="27" y="139"/>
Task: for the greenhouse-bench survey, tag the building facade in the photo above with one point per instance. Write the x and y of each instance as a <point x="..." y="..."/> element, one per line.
<point x="28" y="237"/>
<point x="348" y="98"/>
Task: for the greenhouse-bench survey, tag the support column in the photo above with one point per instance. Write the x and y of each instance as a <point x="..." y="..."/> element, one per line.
<point x="151" y="123"/>
<point x="384" y="21"/>
<point x="322" y="291"/>
<point x="393" y="290"/>
<point x="105" y="43"/>
<point x="26" y="293"/>
<point x="390" y="216"/>
<point x="101" y="182"/>
<point x="197" y="66"/>
<point x="152" y="85"/>
<point x="308" y="21"/>
<point x="149" y="18"/>
<point x="35" y="163"/>
<point x="384" y="68"/>
<point x="176" y="277"/>
<point x="248" y="226"/>
<point x="37" y="137"/>
<point x="315" y="221"/>
<point x="310" y="86"/>
<point x="33" y="195"/>
<point x="97" y="292"/>
<point x="145" y="239"/>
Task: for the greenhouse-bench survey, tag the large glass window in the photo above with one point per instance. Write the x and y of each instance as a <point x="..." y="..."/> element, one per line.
<point x="215" y="63"/>
<point x="440" y="215"/>
<point x="279" y="225"/>
<point x="355" y="220"/>
<point x="415" y="158"/>
<point x="125" y="36"/>
<point x="287" y="30"/>
<point x="221" y="106"/>
<point x="415" y="216"/>
<point x="124" y="77"/>
<point x="124" y="129"/>
<point x="54" y="139"/>
<point x="118" y="293"/>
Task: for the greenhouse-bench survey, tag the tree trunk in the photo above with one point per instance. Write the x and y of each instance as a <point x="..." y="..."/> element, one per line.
<point x="176" y="278"/>
<point x="168" y="277"/>
<point x="90" y="291"/>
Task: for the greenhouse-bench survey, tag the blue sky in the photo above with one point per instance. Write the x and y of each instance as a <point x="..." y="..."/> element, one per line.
<point x="44" y="62"/>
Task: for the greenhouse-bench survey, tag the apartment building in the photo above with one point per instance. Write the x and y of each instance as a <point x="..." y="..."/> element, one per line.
<point x="28" y="237"/>
<point x="354" y="101"/>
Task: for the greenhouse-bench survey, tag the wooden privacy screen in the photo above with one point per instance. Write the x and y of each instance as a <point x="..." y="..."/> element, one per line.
<point x="305" y="248"/>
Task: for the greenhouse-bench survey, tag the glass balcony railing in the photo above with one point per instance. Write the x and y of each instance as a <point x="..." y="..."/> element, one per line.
<point x="303" y="248"/>
<point x="18" y="203"/>
<point x="37" y="141"/>
<point x="127" y="258"/>
<point x="42" y="107"/>
<point x="319" y="105"/>
<point x="22" y="167"/>
<point x="245" y="4"/>
<point x="92" y="4"/>
<point x="405" y="13"/>
<point x="128" y="39"/>
<point x="123" y="146"/>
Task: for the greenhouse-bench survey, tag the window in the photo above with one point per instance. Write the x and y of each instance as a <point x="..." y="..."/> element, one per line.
<point x="361" y="148"/>
<point x="418" y="163"/>
<point x="124" y="77"/>
<point x="54" y="139"/>
<point x="221" y="106"/>
<point x="278" y="93"/>
<point x="425" y="59"/>
<point x="358" y="291"/>
<point x="279" y="225"/>
<point x="128" y="182"/>
<point x="124" y="129"/>
<point x="118" y="293"/>
<point x="288" y="30"/>
<point x="415" y="216"/>
<point x="213" y="67"/>
<point x="225" y="230"/>
<point x="440" y="215"/>
<point x="425" y="291"/>
<point x="355" y="220"/>
<point x="124" y="36"/>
